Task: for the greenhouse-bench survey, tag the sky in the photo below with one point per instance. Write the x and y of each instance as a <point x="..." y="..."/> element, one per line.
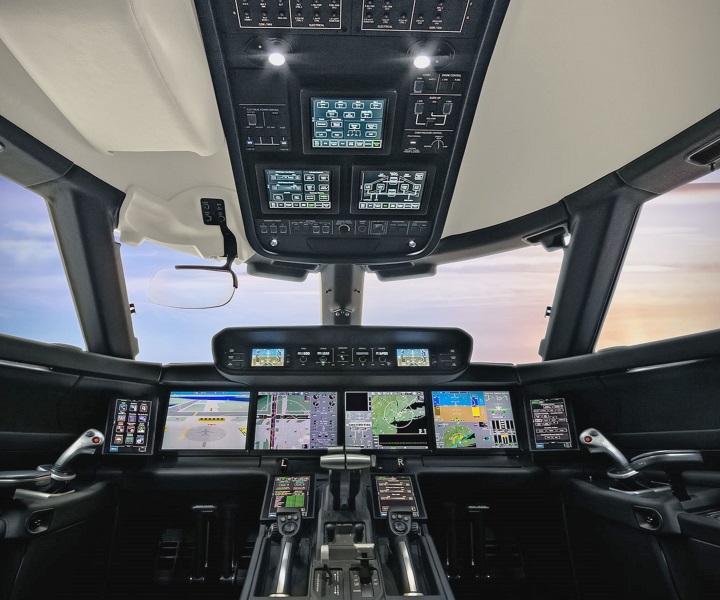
<point x="670" y="286"/>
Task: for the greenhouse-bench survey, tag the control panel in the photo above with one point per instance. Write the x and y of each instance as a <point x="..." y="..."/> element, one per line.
<point x="342" y="149"/>
<point x="377" y="349"/>
<point x="289" y="14"/>
<point x="429" y="16"/>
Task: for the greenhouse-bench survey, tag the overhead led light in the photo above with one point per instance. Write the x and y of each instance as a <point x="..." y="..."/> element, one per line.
<point x="276" y="58"/>
<point x="422" y="61"/>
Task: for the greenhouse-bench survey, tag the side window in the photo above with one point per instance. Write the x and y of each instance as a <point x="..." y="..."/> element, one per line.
<point x="670" y="283"/>
<point x="35" y="301"/>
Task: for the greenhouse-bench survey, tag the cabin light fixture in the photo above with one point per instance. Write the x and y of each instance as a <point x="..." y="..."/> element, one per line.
<point x="276" y="59"/>
<point x="436" y="55"/>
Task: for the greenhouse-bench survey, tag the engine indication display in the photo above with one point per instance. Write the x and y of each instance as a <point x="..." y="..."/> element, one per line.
<point x="413" y="357"/>
<point x="268" y="357"/>
<point x="298" y="189"/>
<point x="469" y="419"/>
<point x="290" y="492"/>
<point x="296" y="420"/>
<point x="347" y="122"/>
<point x="386" y="420"/>
<point x="391" y="190"/>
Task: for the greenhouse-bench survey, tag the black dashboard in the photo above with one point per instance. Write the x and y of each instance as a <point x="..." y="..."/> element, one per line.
<point x="390" y="391"/>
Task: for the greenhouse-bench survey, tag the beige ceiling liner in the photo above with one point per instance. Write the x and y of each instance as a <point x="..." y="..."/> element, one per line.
<point x="129" y="75"/>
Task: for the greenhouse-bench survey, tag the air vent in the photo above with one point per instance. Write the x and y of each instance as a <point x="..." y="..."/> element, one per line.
<point x="708" y="155"/>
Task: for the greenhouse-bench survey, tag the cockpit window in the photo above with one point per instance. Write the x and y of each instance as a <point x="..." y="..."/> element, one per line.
<point x="670" y="283"/>
<point x="176" y="335"/>
<point x="35" y="301"/>
<point x="499" y="300"/>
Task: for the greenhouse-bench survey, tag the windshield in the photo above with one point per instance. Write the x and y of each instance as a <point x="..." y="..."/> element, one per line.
<point x="500" y="300"/>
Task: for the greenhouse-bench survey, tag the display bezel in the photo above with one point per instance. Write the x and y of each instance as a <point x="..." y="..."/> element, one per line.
<point x="263" y="192"/>
<point x="531" y="428"/>
<point x="291" y="451"/>
<point x="430" y="444"/>
<point x="424" y="200"/>
<point x="150" y="429"/>
<point x="421" y="514"/>
<point x="390" y="96"/>
<point x="216" y="451"/>
<point x="267" y="504"/>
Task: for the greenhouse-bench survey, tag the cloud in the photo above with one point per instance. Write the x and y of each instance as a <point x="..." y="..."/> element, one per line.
<point x="30" y="251"/>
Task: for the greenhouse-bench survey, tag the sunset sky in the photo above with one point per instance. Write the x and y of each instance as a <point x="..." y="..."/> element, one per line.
<point x="670" y="286"/>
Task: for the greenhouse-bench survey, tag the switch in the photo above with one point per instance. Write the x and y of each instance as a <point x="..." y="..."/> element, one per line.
<point x="418" y="86"/>
<point x="252" y="119"/>
<point x="447" y="108"/>
<point x="419" y="108"/>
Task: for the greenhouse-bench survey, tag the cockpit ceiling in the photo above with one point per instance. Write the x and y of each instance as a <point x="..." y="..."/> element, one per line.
<point x="575" y="90"/>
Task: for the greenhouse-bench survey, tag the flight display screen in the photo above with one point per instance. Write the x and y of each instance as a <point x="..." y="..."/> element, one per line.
<point x="469" y="419"/>
<point x="130" y="427"/>
<point x="396" y="491"/>
<point x="347" y="122"/>
<point x="268" y="357"/>
<point x="391" y="190"/>
<point x="551" y="424"/>
<point x="298" y="189"/>
<point x="290" y="492"/>
<point x="413" y="357"/>
<point x="386" y="420"/>
<point x="296" y="420"/>
<point x="206" y="420"/>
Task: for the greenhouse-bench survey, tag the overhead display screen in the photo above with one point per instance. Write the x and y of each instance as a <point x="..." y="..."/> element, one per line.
<point x="467" y="420"/>
<point x="296" y="420"/>
<point x="391" y="190"/>
<point x="550" y="423"/>
<point x="130" y="427"/>
<point x="298" y="189"/>
<point x="347" y="122"/>
<point x="290" y="492"/>
<point x="206" y="421"/>
<point x="268" y="357"/>
<point x="413" y="357"/>
<point x="386" y="420"/>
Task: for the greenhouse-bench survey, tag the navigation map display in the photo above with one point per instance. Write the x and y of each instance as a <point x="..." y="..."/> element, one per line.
<point x="551" y="424"/>
<point x="413" y="357"/>
<point x="396" y="491"/>
<point x="473" y="420"/>
<point x="386" y="420"/>
<point x="290" y="492"/>
<point x="268" y="357"/>
<point x="298" y="189"/>
<point x="296" y="420"/>
<point x="391" y="190"/>
<point x="347" y="122"/>
<point x="206" y="421"/>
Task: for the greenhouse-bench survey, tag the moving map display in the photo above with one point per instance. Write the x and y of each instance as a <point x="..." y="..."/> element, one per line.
<point x="296" y="420"/>
<point x="215" y="420"/>
<point x="385" y="420"/>
<point x="473" y="420"/>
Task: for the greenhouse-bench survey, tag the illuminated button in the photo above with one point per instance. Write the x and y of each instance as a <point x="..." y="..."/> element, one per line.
<point x="587" y="439"/>
<point x="96" y="440"/>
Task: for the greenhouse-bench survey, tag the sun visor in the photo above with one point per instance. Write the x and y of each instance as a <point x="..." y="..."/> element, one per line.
<point x="130" y="76"/>
<point x="178" y="223"/>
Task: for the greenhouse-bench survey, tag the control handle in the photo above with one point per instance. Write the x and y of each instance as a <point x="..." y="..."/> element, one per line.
<point x="667" y="459"/>
<point x="87" y="443"/>
<point x="596" y="442"/>
<point x="400" y="525"/>
<point x="289" y="521"/>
